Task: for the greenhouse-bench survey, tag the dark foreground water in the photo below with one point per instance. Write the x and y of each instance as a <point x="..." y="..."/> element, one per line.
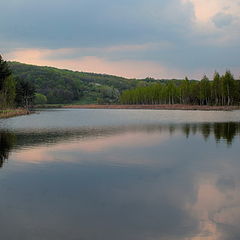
<point x="120" y="175"/>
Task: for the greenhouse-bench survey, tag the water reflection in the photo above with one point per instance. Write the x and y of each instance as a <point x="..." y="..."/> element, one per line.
<point x="220" y="131"/>
<point x="7" y="141"/>
<point x="139" y="182"/>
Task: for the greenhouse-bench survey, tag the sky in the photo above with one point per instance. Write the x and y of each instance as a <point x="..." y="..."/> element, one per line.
<point x="130" y="38"/>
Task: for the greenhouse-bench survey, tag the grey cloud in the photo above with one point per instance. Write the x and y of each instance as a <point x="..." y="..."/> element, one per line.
<point x="56" y="24"/>
<point x="96" y="25"/>
<point x="226" y="184"/>
<point x="222" y="20"/>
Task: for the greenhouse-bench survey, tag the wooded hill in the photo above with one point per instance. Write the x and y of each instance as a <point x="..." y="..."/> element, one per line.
<point x="65" y="86"/>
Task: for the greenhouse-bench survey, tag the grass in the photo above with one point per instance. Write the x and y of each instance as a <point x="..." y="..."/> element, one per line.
<point x="7" y="113"/>
<point x="48" y="106"/>
<point x="156" y="106"/>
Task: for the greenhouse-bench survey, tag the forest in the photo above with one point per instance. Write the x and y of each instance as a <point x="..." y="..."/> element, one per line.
<point x="14" y="92"/>
<point x="61" y="86"/>
<point x="222" y="90"/>
<point x="25" y="85"/>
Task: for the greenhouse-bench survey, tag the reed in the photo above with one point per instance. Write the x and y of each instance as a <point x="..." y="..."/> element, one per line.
<point x="8" y="113"/>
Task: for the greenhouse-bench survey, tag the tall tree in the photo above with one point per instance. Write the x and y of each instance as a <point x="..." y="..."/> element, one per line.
<point x="185" y="91"/>
<point x="25" y="93"/>
<point x="5" y="72"/>
<point x="228" y="82"/>
<point x="7" y="85"/>
<point x="205" y="90"/>
<point x="216" y="88"/>
<point x="8" y="93"/>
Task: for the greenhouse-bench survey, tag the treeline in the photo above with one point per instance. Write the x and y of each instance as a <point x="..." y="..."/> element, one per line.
<point x="222" y="90"/>
<point x="14" y="92"/>
<point x="54" y="85"/>
<point x="65" y="86"/>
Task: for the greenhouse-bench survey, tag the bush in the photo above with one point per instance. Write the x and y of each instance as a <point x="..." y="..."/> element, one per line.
<point x="40" y="99"/>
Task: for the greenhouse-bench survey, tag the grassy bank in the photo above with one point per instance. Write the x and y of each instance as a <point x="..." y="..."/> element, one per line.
<point x="7" y="113"/>
<point x="157" y="107"/>
<point x="48" y="106"/>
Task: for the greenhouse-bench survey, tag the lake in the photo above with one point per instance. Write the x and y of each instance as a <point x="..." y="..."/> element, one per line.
<point x="120" y="175"/>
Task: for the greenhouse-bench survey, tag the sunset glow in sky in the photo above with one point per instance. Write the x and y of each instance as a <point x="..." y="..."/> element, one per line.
<point x="131" y="38"/>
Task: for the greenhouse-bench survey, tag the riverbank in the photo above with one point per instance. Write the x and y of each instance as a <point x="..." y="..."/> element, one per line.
<point x="157" y="107"/>
<point x="7" y="113"/>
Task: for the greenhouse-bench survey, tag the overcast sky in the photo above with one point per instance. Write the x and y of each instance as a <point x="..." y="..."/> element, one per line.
<point x="132" y="38"/>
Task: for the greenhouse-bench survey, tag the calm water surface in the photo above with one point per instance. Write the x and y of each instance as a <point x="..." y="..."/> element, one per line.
<point x="120" y="175"/>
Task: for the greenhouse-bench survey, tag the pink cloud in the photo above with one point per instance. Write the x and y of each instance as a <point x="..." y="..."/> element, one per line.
<point x="125" y="68"/>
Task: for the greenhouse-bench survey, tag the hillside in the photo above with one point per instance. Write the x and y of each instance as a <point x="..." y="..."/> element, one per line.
<point x="65" y="86"/>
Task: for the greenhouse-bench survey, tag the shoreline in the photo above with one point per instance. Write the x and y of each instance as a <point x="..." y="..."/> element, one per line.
<point x="9" y="113"/>
<point x="155" y="107"/>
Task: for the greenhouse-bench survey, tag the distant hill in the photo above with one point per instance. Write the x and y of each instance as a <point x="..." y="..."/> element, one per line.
<point x="65" y="86"/>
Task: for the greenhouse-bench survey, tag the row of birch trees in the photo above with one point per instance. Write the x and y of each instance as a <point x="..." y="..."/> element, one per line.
<point x="222" y="90"/>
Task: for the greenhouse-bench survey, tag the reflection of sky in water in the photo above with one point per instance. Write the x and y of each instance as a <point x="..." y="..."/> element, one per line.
<point x="149" y="182"/>
<point x="72" y="118"/>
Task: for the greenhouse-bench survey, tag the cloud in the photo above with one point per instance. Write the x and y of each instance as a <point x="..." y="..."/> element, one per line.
<point x="129" y="60"/>
<point x="204" y="10"/>
<point x="183" y="37"/>
<point x="126" y="68"/>
<point x="222" y="20"/>
<point x="91" y="23"/>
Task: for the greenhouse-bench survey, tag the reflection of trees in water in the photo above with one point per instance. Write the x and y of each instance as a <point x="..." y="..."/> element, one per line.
<point x="226" y="131"/>
<point x="7" y="141"/>
<point x="221" y="131"/>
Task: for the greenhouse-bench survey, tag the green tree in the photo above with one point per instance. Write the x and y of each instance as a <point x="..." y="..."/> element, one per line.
<point x="216" y="88"/>
<point x="8" y="92"/>
<point x="7" y="85"/>
<point x="25" y="93"/>
<point x="5" y="72"/>
<point x="194" y="93"/>
<point x="40" y="98"/>
<point x="185" y="91"/>
<point x="205" y="91"/>
<point x="229" y="84"/>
